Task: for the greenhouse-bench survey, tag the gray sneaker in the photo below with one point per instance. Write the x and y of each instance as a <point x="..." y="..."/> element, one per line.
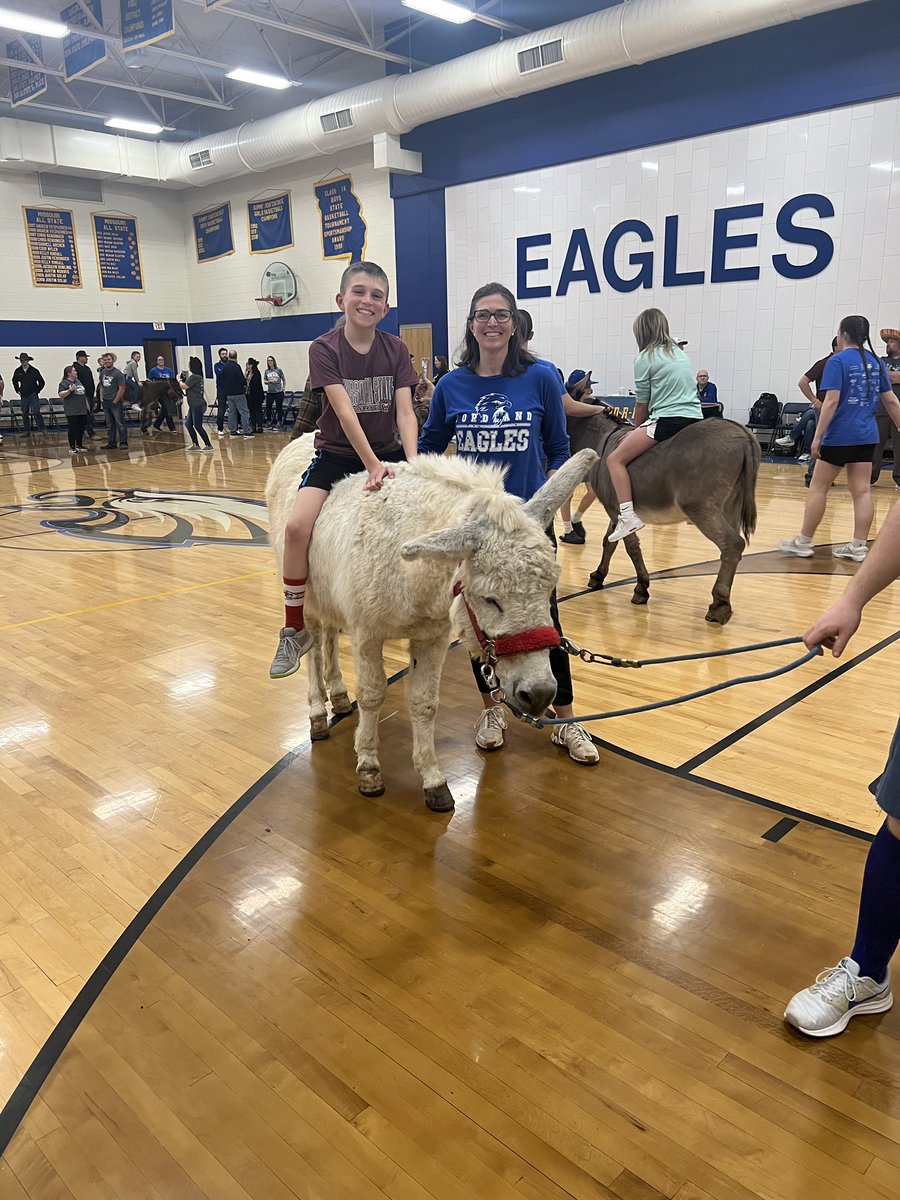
<point x="292" y="645"/>
<point x="838" y="994"/>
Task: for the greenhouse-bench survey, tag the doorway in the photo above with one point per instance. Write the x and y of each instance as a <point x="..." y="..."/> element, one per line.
<point x="153" y="348"/>
<point x="417" y="339"/>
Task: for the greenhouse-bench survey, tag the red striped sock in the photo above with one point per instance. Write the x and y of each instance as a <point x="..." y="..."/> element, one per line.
<point x="294" y="595"/>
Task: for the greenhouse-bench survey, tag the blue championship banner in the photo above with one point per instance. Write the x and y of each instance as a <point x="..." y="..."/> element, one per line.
<point x="145" y="22"/>
<point x="270" y="225"/>
<point x="24" y="82"/>
<point x="343" y="227"/>
<point x="212" y="233"/>
<point x="80" y="50"/>
<point x="52" y="252"/>
<point x="118" y="253"/>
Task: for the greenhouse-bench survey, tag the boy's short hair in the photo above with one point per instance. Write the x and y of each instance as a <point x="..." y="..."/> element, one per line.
<point x="365" y="268"/>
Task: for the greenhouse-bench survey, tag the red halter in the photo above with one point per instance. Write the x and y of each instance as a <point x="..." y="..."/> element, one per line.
<point x="543" y="637"/>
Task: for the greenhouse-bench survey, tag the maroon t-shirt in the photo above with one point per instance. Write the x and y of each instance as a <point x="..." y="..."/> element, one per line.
<point x="371" y="381"/>
<point x="814" y="375"/>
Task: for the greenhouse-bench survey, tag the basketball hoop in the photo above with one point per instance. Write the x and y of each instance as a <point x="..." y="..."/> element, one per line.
<point x="267" y="306"/>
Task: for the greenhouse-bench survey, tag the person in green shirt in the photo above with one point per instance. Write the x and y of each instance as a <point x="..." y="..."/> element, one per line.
<point x="666" y="401"/>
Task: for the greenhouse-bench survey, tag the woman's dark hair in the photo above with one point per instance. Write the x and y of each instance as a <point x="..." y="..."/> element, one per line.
<point x="253" y="363"/>
<point x="856" y="330"/>
<point x="271" y="358"/>
<point x="442" y="363"/>
<point x="527" y="324"/>
<point x="518" y="358"/>
<point x="195" y="366"/>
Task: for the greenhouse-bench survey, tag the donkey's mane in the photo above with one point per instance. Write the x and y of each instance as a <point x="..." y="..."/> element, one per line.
<point x="481" y="485"/>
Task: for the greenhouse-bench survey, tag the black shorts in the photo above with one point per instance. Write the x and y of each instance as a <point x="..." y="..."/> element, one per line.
<point x="327" y="469"/>
<point x="839" y="456"/>
<point x="664" y="428"/>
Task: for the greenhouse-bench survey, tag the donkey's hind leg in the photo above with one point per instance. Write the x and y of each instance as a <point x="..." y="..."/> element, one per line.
<point x="371" y="685"/>
<point x="721" y="529"/>
<point x="337" y="689"/>
<point x="597" y="578"/>
<point x="427" y="661"/>
<point x="318" y="715"/>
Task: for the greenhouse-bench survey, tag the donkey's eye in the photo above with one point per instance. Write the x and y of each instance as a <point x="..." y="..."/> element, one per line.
<point x="491" y="600"/>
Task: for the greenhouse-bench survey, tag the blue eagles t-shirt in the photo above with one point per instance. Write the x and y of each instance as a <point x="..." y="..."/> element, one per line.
<point x="514" y="421"/>
<point x="160" y="373"/>
<point x="853" y="423"/>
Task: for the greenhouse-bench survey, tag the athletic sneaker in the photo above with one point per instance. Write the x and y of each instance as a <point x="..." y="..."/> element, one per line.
<point x="627" y="524"/>
<point x="207" y="449"/>
<point x="795" y="546"/>
<point x="837" y="995"/>
<point x="576" y="739"/>
<point x="292" y="645"/>
<point x="192" y="448"/>
<point x="246" y="436"/>
<point x="579" y="529"/>
<point x="804" y="458"/>
<point x="850" y="550"/>
<point x="220" y="433"/>
<point x="573" y="537"/>
<point x="787" y="440"/>
<point x="489" y="728"/>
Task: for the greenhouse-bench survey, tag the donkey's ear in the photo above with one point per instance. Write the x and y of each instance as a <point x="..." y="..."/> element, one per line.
<point x="458" y="542"/>
<point x="556" y="491"/>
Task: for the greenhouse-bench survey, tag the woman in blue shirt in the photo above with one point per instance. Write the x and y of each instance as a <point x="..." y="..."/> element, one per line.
<point x="505" y="409"/>
<point x="853" y="381"/>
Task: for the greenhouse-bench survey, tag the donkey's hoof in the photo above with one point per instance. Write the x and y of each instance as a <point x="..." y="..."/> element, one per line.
<point x="370" y="782"/>
<point x="640" y="598"/>
<point x="439" y="799"/>
<point x="341" y="703"/>
<point x="595" y="582"/>
<point x="719" y="616"/>
<point x="319" y="728"/>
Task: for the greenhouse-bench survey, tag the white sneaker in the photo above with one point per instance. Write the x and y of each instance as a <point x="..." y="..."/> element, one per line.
<point x="838" y="994"/>
<point x="630" y="523"/>
<point x="795" y="546"/>
<point x="804" y="458"/>
<point x="851" y="550"/>
<point x="784" y="441"/>
<point x="489" y="728"/>
<point x="576" y="739"/>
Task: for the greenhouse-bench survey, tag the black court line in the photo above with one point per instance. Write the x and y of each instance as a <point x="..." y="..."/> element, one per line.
<point x="729" y="740"/>
<point x="35" y="1077"/>
<point x="779" y="829"/>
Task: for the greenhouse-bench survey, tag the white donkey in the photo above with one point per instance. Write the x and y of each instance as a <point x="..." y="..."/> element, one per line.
<point x="383" y="565"/>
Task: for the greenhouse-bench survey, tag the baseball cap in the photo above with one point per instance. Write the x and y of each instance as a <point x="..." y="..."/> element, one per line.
<point x="887" y="334"/>
<point x="577" y="377"/>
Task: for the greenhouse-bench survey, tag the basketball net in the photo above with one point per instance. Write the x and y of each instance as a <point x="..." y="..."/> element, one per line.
<point x="267" y="306"/>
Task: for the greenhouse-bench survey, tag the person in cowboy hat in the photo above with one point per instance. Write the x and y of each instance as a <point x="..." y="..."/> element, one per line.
<point x="28" y="382"/>
<point x="886" y="427"/>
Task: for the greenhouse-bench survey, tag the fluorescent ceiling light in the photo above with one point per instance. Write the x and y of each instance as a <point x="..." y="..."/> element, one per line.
<point x="260" y="78"/>
<point x="134" y="126"/>
<point x="447" y="10"/>
<point x="26" y="24"/>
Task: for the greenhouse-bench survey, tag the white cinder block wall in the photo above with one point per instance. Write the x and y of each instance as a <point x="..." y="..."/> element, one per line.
<point x="752" y="336"/>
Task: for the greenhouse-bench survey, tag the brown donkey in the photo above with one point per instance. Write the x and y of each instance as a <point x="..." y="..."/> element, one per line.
<point x="706" y="474"/>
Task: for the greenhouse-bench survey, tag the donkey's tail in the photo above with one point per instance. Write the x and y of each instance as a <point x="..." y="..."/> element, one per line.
<point x="747" y="485"/>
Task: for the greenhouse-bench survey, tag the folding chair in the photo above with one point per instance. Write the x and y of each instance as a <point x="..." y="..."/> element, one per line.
<point x="765" y="431"/>
<point x="790" y="415"/>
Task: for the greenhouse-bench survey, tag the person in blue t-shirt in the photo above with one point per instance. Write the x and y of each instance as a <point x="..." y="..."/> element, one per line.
<point x="853" y="381"/>
<point x="505" y="409"/>
<point x="166" y="405"/>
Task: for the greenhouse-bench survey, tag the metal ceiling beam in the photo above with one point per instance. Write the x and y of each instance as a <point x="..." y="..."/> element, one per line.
<point x="315" y="35"/>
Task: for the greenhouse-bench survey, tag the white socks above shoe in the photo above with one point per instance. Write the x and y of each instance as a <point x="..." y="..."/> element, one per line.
<point x="626" y="508"/>
<point x="567" y="526"/>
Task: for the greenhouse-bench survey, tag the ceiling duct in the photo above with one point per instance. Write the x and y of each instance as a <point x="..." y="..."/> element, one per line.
<point x="634" y="32"/>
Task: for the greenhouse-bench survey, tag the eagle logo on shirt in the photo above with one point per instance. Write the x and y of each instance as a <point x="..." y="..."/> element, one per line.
<point x="495" y="406"/>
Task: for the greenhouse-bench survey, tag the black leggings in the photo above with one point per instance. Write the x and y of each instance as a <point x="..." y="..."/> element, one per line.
<point x="559" y="660"/>
<point x="75" y="427"/>
<point x="275" y="400"/>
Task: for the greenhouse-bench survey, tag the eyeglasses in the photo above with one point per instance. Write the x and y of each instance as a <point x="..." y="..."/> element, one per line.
<point x="482" y="315"/>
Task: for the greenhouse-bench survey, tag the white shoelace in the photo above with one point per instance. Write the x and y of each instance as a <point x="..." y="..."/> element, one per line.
<point x="835" y="980"/>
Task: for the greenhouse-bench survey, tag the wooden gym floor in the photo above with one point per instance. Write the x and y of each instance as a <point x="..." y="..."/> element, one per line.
<point x="572" y="986"/>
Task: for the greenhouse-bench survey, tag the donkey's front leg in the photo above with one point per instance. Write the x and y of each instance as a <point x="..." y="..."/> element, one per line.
<point x="427" y="662"/>
<point x="318" y="716"/>
<point x="337" y="689"/>
<point x="371" y="685"/>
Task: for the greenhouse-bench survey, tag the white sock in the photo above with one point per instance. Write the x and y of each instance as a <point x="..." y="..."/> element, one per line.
<point x="567" y="526"/>
<point x="857" y="542"/>
<point x="578" y="518"/>
<point x="626" y="508"/>
<point x="803" y="539"/>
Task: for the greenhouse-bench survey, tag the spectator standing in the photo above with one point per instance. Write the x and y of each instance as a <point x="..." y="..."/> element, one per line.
<point x="235" y="384"/>
<point x="255" y="395"/>
<point x="28" y="382"/>
<point x="708" y="395"/>
<point x="274" y="381"/>
<point x="441" y="367"/>
<point x="221" y="394"/>
<point x="166" y="406"/>
<point x="886" y="427"/>
<point x="73" y="394"/>
<point x="112" y="393"/>
<point x="86" y="379"/>
<point x="192" y="386"/>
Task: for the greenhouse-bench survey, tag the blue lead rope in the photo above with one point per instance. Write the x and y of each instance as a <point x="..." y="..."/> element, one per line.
<point x="540" y="722"/>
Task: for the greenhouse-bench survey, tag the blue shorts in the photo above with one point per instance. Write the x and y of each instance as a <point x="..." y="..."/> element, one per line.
<point x="327" y="469"/>
<point x="886" y="788"/>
